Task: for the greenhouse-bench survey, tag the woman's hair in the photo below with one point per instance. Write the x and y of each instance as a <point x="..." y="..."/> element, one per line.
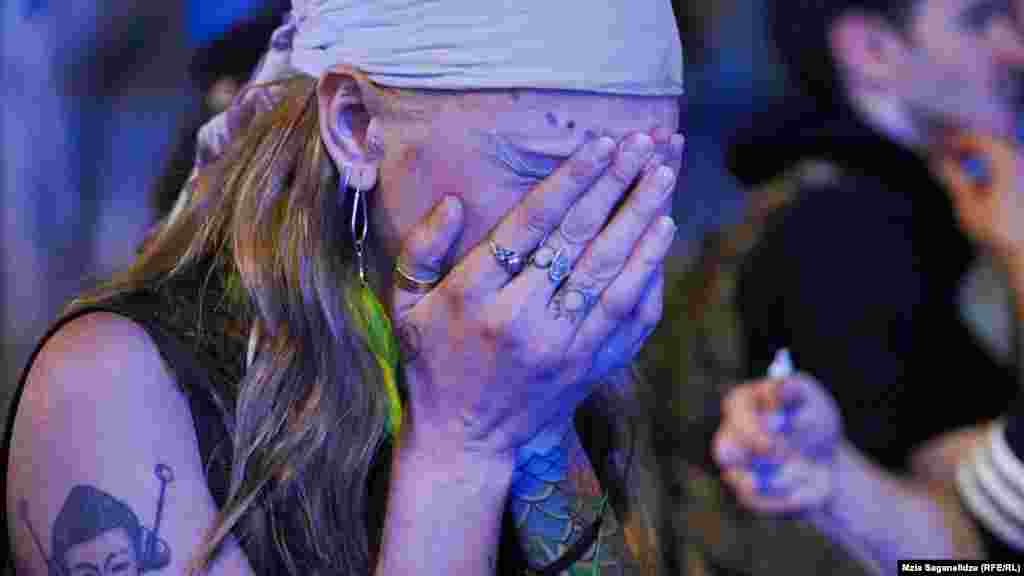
<point x="309" y="415"/>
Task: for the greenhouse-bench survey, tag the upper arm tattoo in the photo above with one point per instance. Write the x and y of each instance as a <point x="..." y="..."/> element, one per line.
<point x="95" y="534"/>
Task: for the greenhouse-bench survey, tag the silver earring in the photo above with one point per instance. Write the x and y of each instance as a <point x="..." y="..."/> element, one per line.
<point x="359" y="225"/>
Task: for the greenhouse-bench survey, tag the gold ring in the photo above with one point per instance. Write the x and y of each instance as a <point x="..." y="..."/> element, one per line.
<point x="406" y="281"/>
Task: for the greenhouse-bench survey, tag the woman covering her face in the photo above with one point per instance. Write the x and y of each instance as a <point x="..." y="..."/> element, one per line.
<point x="424" y="242"/>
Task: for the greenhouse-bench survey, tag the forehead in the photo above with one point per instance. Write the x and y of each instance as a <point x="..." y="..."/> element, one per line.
<point x="562" y="119"/>
<point x="99" y="548"/>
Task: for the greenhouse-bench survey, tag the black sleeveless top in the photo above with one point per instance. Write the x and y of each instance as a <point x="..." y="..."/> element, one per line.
<point x="202" y="337"/>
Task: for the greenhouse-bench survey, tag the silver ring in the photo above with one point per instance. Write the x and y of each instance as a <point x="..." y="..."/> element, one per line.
<point x="573" y="302"/>
<point x="405" y="280"/>
<point x="543" y="257"/>
<point x="510" y="260"/>
<point x="559" y="269"/>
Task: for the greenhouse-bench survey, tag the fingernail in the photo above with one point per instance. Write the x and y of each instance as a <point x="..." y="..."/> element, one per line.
<point x="677" y="142"/>
<point x="667" y="226"/>
<point x="653" y="163"/>
<point x="603" y="149"/>
<point x="637" y="146"/>
<point x="451" y="207"/>
<point x="664" y="177"/>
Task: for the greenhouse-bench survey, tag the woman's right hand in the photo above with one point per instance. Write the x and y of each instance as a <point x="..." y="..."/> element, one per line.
<point x="490" y="357"/>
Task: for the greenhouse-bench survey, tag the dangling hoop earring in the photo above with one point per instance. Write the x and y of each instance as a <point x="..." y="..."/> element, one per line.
<point x="370" y="313"/>
<point x="359" y="224"/>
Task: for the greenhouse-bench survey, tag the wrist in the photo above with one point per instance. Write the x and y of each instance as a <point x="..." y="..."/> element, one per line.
<point x="438" y="460"/>
<point x="826" y="513"/>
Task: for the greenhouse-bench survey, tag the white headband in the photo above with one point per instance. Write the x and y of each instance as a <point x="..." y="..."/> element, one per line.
<point x="628" y="47"/>
<point x="624" y="47"/>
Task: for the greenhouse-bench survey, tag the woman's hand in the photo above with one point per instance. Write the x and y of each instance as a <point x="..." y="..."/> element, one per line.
<point x="495" y="353"/>
<point x="989" y="206"/>
<point x="777" y="444"/>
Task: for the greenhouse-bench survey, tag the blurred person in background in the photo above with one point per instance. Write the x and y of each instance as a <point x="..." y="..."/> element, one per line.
<point x="92" y="91"/>
<point x="95" y="93"/>
<point x="823" y="478"/>
<point x="505" y="198"/>
<point x="226" y="51"/>
<point x="696" y="352"/>
<point x="862" y="277"/>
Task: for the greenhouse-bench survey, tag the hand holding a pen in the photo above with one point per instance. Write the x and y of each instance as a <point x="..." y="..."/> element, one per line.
<point x="777" y="441"/>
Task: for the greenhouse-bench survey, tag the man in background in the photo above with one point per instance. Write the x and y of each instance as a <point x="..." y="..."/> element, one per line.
<point x="863" y="277"/>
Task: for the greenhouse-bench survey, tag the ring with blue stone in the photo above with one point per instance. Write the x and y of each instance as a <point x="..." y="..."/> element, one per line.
<point x="560" y="268"/>
<point x="510" y="260"/>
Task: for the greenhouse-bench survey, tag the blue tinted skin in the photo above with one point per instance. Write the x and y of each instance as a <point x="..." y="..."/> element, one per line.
<point x="766" y="468"/>
<point x="976" y="168"/>
<point x="30" y="8"/>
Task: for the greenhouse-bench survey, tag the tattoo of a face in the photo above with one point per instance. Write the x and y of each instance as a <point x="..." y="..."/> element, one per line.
<point x="95" y="534"/>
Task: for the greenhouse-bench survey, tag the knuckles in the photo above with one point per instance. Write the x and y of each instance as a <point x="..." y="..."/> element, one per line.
<point x="617" y="308"/>
<point x="544" y="356"/>
<point x="582" y="170"/>
<point x="540" y="220"/>
<point x="621" y="175"/>
<point x="579" y="228"/>
<point x="600" y="267"/>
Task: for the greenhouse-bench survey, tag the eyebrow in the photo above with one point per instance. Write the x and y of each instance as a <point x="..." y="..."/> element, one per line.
<point x="520" y="159"/>
<point x="113" y="556"/>
<point x="86" y="566"/>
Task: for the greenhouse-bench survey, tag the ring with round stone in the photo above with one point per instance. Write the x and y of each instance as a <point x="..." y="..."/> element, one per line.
<point x="408" y="281"/>
<point x="510" y="260"/>
<point x="573" y="302"/>
<point x="559" y="268"/>
<point x="543" y="257"/>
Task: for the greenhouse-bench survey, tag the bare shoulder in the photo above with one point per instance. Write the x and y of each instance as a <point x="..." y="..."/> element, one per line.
<point x="100" y="343"/>
<point x="104" y="469"/>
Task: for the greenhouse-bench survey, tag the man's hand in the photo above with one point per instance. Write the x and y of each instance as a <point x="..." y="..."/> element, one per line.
<point x="775" y="466"/>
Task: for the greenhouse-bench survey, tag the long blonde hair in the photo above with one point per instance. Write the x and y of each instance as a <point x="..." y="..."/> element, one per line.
<point x="307" y="421"/>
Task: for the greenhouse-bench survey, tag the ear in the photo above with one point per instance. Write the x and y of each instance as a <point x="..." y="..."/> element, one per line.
<point x="867" y="49"/>
<point x="349" y="106"/>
